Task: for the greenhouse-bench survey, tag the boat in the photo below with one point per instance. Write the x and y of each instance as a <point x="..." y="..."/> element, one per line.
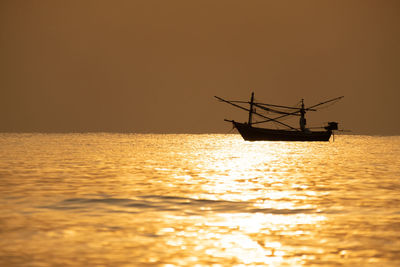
<point x="250" y="132"/>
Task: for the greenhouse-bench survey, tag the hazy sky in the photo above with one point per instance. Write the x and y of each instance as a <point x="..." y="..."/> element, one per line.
<point x="154" y="66"/>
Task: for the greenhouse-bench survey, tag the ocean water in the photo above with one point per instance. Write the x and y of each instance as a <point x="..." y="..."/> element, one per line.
<point x="198" y="200"/>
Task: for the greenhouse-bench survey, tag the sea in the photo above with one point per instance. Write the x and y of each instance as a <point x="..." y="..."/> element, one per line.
<point x="105" y="199"/>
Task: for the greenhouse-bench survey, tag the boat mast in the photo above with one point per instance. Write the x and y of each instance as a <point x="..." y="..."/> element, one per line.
<point x="251" y="108"/>
<point x="303" y="121"/>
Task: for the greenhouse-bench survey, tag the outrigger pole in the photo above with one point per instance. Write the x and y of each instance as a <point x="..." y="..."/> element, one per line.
<point x="336" y="98"/>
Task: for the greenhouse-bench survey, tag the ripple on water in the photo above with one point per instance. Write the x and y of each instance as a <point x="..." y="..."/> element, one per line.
<point x="164" y="200"/>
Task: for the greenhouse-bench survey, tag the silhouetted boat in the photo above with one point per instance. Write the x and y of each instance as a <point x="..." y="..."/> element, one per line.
<point x="251" y="133"/>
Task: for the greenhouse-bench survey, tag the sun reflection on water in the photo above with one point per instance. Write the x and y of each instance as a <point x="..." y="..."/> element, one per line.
<point x="261" y="205"/>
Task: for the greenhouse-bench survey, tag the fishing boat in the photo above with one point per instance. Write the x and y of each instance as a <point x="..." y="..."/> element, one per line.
<point x="289" y="133"/>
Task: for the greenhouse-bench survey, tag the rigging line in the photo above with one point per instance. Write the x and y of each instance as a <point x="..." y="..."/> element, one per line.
<point x="265" y="104"/>
<point x="273" y="110"/>
<point x="273" y="119"/>
<point x="277" y="118"/>
<point x="265" y="117"/>
<point x="277" y="106"/>
<point x="231" y="130"/>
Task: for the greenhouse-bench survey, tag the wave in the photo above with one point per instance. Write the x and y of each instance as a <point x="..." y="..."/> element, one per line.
<point x="186" y="205"/>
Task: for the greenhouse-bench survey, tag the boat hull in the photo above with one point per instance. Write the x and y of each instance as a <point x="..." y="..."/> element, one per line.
<point x="250" y="133"/>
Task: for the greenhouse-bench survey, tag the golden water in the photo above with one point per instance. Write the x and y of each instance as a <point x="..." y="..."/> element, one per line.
<point x="210" y="200"/>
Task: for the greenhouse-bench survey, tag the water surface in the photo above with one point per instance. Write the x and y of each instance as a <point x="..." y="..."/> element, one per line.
<point x="182" y="200"/>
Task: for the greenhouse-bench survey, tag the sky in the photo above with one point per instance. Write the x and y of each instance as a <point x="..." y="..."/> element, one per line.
<point x="155" y="66"/>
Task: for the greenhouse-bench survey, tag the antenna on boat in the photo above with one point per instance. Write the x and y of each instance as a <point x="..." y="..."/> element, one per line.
<point x="303" y="121"/>
<point x="251" y="108"/>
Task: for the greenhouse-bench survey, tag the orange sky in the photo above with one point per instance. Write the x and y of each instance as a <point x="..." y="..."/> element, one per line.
<point x="154" y="66"/>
